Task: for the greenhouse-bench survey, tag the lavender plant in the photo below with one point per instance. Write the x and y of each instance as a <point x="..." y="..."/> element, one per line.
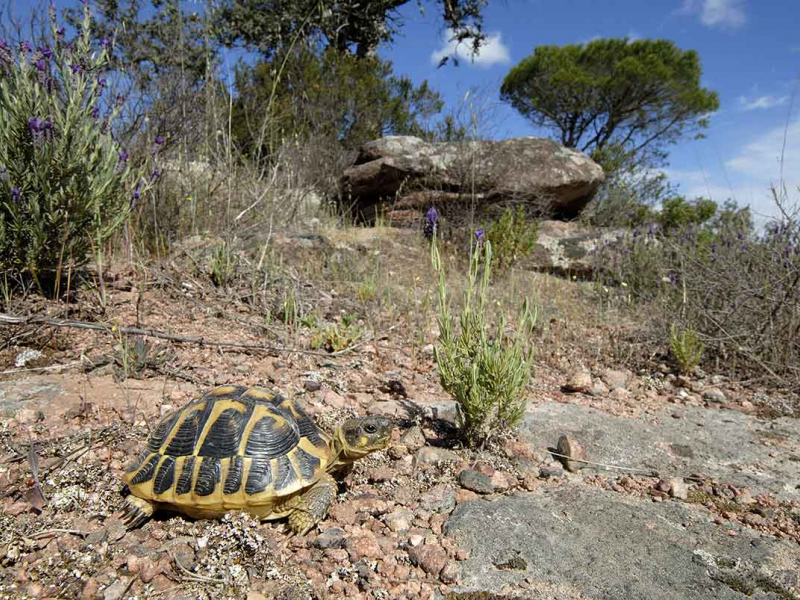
<point x="736" y="288"/>
<point x="513" y="237"/>
<point x="486" y="374"/>
<point x="65" y="185"/>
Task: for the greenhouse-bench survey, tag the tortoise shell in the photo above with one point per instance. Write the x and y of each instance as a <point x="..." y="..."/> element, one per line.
<point x="235" y="447"/>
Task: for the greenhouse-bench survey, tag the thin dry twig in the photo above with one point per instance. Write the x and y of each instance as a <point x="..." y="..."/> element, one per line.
<point x="193" y="576"/>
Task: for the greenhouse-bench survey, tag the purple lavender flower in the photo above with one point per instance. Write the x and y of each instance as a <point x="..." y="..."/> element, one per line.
<point x="159" y="140"/>
<point x="15" y="194"/>
<point x="47" y="125"/>
<point x="60" y="32"/>
<point x="24" y="46"/>
<point x="76" y="68"/>
<point x="123" y="156"/>
<point x="136" y="195"/>
<point x="156" y="174"/>
<point x="106" y="43"/>
<point x="431" y="222"/>
<point x="35" y="125"/>
<point x="479" y="235"/>
<point x="45" y="51"/>
<point x="101" y="81"/>
<point x="41" y="65"/>
<point x="95" y="112"/>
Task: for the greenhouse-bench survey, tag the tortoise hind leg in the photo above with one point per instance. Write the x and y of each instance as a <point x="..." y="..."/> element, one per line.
<point x="311" y="506"/>
<point x="136" y="512"/>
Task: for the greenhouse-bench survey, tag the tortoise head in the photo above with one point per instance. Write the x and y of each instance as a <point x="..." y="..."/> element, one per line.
<point x="358" y="437"/>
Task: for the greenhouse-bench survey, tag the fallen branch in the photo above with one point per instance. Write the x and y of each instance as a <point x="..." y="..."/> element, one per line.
<point x="38" y="320"/>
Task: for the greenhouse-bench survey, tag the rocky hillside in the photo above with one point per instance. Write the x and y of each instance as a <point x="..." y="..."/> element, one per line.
<point x="622" y="482"/>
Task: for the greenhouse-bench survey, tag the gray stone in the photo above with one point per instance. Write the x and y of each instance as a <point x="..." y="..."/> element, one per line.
<point x="475" y="481"/>
<point x="615" y="379"/>
<point x="332" y="537"/>
<point x="399" y="520"/>
<point x="429" y="455"/>
<point x="413" y="439"/>
<point x="409" y="174"/>
<point x="440" y="499"/>
<point x="599" y="544"/>
<point x="568" y="248"/>
<point x="727" y="445"/>
<point x="117" y="589"/>
<point x="579" y="381"/>
<point x="714" y="395"/>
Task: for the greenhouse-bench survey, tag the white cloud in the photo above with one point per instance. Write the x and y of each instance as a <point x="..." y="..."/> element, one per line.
<point x="762" y="102"/>
<point x="491" y="52"/>
<point x="717" y="13"/>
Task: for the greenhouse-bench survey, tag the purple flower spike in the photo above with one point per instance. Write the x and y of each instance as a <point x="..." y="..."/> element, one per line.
<point x="101" y="81"/>
<point x="24" y="47"/>
<point x="41" y="65"/>
<point x="95" y="112"/>
<point x="431" y="222"/>
<point x="106" y="43"/>
<point x="159" y="140"/>
<point x="479" y="235"/>
<point x="60" y="32"/>
<point x="45" y="51"/>
<point x="15" y="194"/>
<point x="47" y="125"/>
<point x="35" y="125"/>
<point x="123" y="156"/>
<point x="136" y="195"/>
<point x="76" y="68"/>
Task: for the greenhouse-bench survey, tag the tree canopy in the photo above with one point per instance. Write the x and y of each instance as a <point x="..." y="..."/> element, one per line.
<point x="612" y="98"/>
<point x="327" y="95"/>
<point x="343" y="24"/>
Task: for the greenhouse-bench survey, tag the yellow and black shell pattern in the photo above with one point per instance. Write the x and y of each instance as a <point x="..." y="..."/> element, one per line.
<point x="234" y="447"/>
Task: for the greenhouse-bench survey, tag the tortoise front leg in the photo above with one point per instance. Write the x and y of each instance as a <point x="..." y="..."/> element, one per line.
<point x="311" y="506"/>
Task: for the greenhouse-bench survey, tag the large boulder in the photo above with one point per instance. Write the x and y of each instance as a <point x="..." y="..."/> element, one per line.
<point x="570" y="249"/>
<point x="401" y="176"/>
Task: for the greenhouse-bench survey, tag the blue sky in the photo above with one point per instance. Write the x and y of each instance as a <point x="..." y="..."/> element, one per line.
<point x="749" y="50"/>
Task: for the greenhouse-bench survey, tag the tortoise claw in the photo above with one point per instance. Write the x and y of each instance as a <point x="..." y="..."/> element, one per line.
<point x="136" y="512"/>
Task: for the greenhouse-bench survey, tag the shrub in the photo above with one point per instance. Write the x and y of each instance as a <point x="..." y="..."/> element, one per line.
<point x="335" y="337"/>
<point x="66" y="185"/>
<point x="223" y="265"/>
<point x="734" y="287"/>
<point x="485" y="375"/>
<point x="686" y="348"/>
<point x="512" y="238"/>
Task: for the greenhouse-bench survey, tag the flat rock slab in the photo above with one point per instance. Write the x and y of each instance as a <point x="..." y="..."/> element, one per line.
<point x="731" y="446"/>
<point x="576" y="541"/>
<point x="18" y="393"/>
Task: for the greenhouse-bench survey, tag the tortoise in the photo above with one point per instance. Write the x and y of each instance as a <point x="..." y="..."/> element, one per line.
<point x="245" y="448"/>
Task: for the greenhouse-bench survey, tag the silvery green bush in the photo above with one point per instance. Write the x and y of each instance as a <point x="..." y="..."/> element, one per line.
<point x="486" y="374"/>
<point x="65" y="184"/>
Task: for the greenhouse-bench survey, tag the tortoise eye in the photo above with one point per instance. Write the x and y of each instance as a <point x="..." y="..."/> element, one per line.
<point x="370" y="428"/>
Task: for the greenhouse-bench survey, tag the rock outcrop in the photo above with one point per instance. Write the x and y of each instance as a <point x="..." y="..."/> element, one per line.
<point x="401" y="176"/>
<point x="569" y="248"/>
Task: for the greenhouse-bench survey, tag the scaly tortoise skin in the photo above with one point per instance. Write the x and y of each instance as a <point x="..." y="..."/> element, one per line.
<point x="245" y="448"/>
